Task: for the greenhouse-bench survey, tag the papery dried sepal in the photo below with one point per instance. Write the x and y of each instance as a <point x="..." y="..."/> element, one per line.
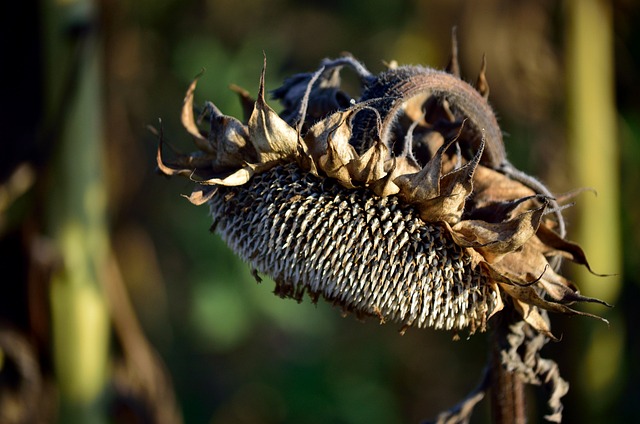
<point x="337" y="128"/>
<point x="170" y="169"/>
<point x="232" y="140"/>
<point x="201" y="195"/>
<point x="494" y="240"/>
<point x="564" y="247"/>
<point x="246" y="101"/>
<point x="369" y="166"/>
<point x="189" y="122"/>
<point x="271" y="136"/>
<point x="236" y="178"/>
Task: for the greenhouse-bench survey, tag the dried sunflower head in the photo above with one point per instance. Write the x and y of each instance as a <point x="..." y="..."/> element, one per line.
<point x="399" y="204"/>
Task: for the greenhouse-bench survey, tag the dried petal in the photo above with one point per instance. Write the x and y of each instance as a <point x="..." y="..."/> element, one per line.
<point x="336" y="127"/>
<point x="232" y="141"/>
<point x="188" y="120"/>
<point x="556" y="244"/>
<point x="369" y="167"/>
<point x="334" y="162"/>
<point x="271" y="136"/>
<point x="201" y="195"/>
<point x="246" y="101"/>
<point x="494" y="240"/>
<point x="424" y="184"/>
<point x="239" y="177"/>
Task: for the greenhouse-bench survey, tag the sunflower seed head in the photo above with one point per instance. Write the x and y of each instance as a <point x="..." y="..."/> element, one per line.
<point x="399" y="205"/>
<point x="369" y="254"/>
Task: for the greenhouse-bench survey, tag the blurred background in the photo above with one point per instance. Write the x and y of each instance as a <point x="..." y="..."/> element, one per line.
<point x="118" y="305"/>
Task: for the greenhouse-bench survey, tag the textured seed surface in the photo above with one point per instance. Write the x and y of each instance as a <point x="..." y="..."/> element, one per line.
<point x="366" y="253"/>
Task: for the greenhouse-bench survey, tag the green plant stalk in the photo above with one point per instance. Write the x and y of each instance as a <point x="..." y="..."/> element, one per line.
<point x="76" y="215"/>
<point x="594" y="154"/>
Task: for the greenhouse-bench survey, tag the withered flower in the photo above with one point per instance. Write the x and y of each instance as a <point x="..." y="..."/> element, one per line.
<point x="399" y="204"/>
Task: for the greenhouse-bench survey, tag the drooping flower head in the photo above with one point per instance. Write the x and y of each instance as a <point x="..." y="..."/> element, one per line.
<point x="399" y="204"/>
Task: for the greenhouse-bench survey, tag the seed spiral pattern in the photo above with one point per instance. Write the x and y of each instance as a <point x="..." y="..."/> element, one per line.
<point x="366" y="253"/>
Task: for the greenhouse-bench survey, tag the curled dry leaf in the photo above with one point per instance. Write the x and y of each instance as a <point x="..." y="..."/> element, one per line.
<point x="271" y="136"/>
<point x="188" y="120"/>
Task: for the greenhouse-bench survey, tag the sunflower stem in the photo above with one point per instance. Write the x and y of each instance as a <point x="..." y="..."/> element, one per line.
<point x="507" y="389"/>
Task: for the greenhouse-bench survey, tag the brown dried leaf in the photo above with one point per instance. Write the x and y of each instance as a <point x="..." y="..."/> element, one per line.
<point x="455" y="187"/>
<point x="237" y="178"/>
<point x="504" y="210"/>
<point x="369" y="166"/>
<point x="500" y="303"/>
<point x="246" y="101"/>
<point x="189" y="122"/>
<point x="336" y="127"/>
<point x="529" y="295"/>
<point x="527" y="263"/>
<point x="386" y="186"/>
<point x="570" y="250"/>
<point x="424" y="184"/>
<point x="531" y="316"/>
<point x="334" y="162"/>
<point x="494" y="240"/>
<point x="271" y="136"/>
<point x="404" y="165"/>
<point x="564" y="291"/>
<point x="491" y="186"/>
<point x="201" y="195"/>
<point x="169" y="170"/>
<point x="445" y="208"/>
<point x="233" y="142"/>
